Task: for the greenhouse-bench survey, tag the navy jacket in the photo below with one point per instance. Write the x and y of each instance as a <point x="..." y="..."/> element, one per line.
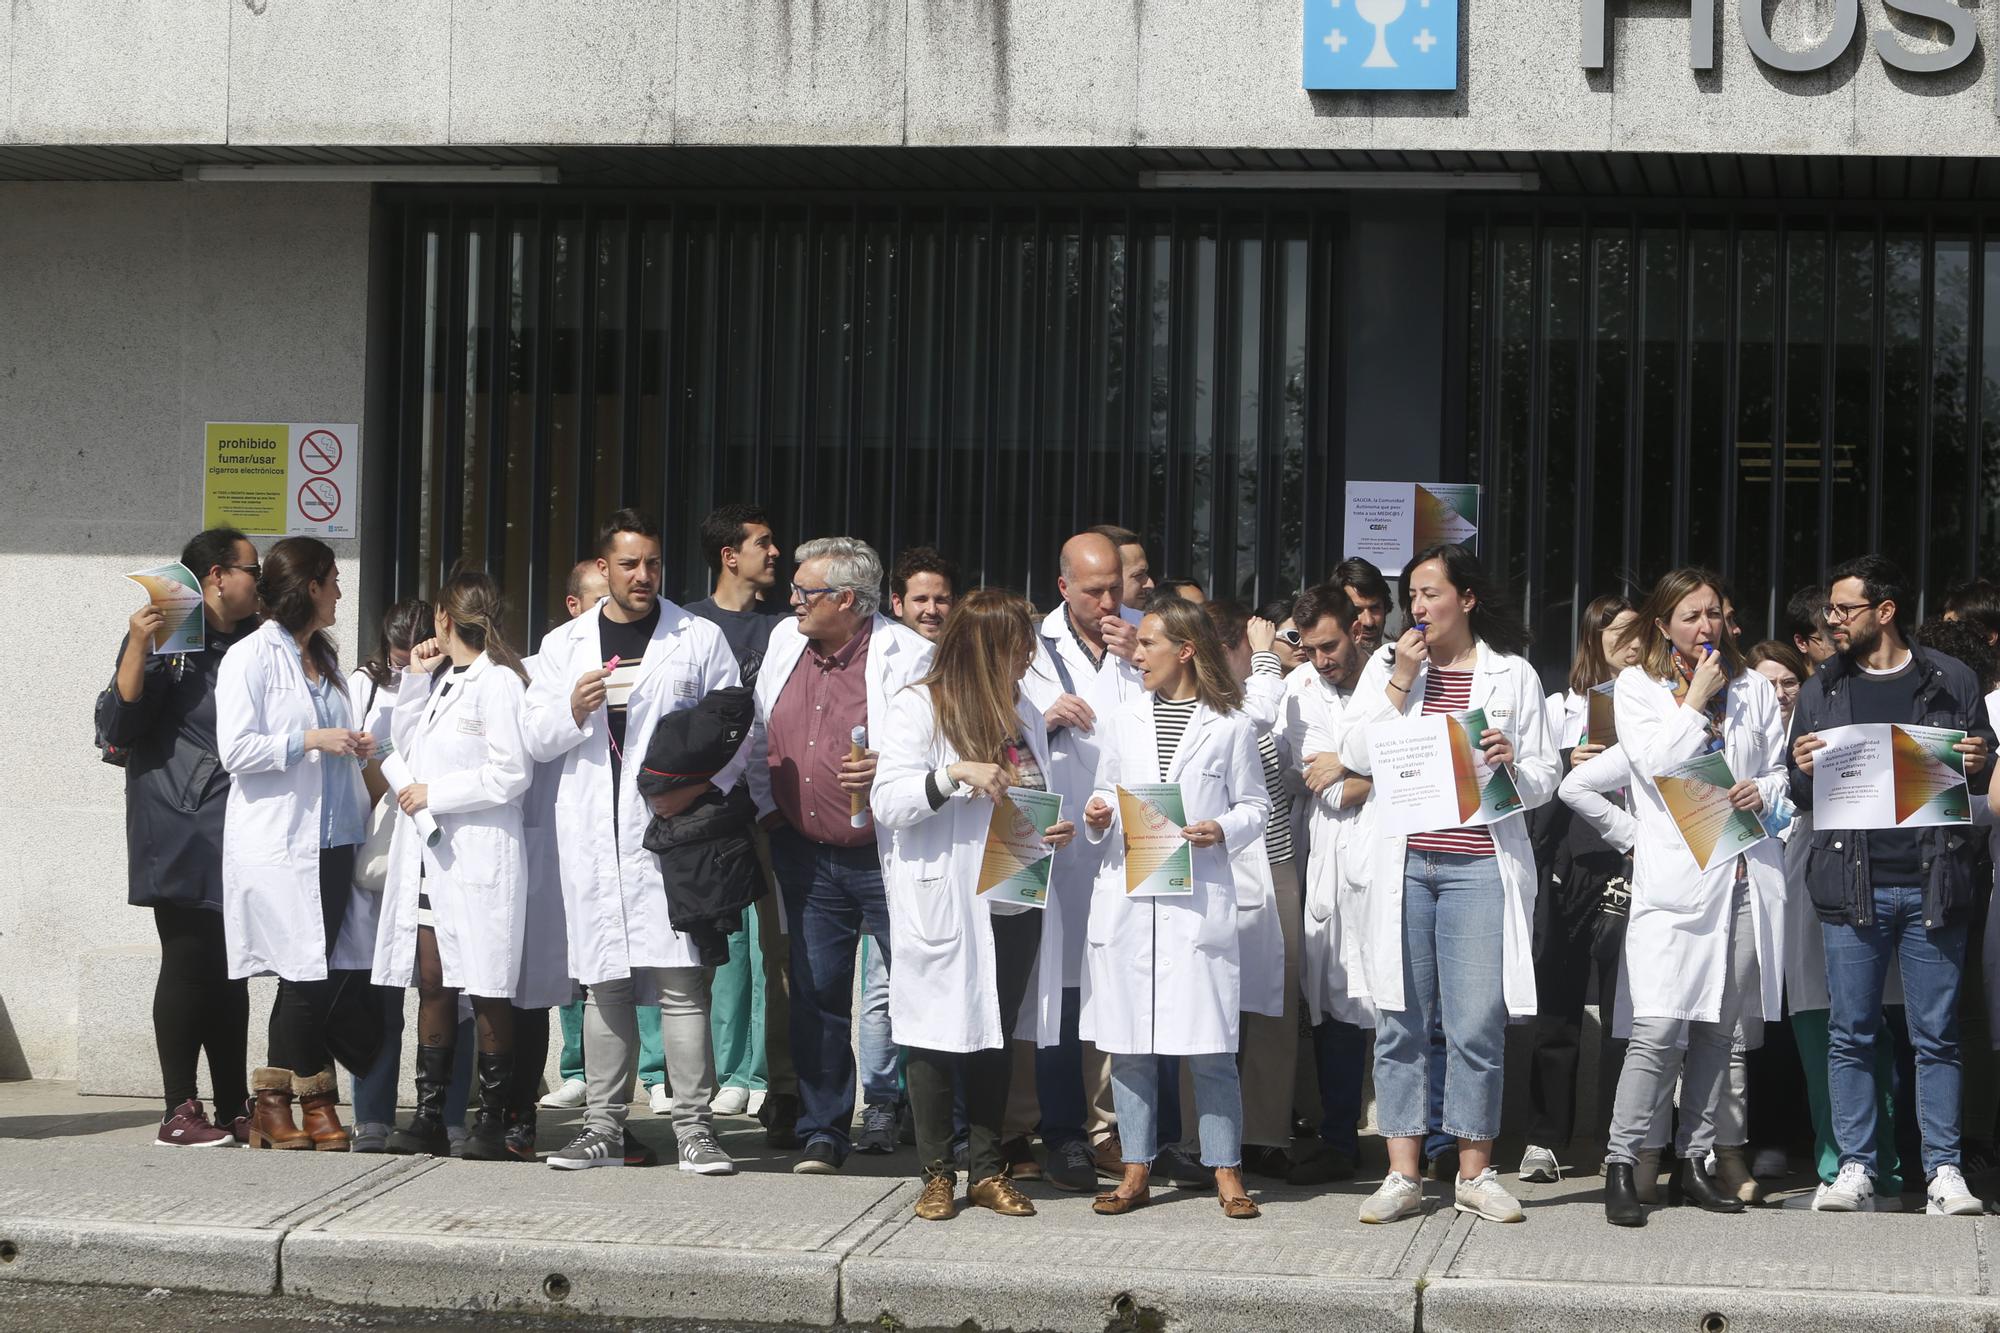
<point x="1836" y="860"/>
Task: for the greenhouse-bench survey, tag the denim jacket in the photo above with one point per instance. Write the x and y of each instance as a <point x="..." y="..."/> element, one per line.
<point x="1836" y="860"/>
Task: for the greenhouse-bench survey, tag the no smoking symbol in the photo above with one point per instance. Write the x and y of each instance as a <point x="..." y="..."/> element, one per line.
<point x="320" y="452"/>
<point x="319" y="500"/>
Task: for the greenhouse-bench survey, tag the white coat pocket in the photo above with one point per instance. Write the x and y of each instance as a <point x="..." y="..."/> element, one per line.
<point x="933" y="911"/>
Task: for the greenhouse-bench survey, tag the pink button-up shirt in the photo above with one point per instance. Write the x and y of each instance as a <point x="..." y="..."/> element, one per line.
<point x="816" y="713"/>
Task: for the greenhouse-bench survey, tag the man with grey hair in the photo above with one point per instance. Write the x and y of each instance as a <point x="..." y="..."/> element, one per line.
<point x="828" y="673"/>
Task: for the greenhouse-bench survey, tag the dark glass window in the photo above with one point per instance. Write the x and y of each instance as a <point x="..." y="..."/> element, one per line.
<point x="985" y="376"/>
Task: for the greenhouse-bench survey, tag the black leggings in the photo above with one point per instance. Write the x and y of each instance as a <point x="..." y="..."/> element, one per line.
<point x="299" y="1015"/>
<point x="985" y="1075"/>
<point x="196" y="1007"/>
<point x="531" y="1052"/>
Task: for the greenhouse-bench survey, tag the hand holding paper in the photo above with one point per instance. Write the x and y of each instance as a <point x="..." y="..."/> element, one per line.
<point x="1700" y="798"/>
<point x="176" y="595"/>
<point x="1889" y="775"/>
<point x="397" y="774"/>
<point x="1157" y="860"/>
<point x="1015" y="867"/>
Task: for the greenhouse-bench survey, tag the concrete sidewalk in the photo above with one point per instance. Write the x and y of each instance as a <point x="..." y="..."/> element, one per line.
<point x="86" y="1198"/>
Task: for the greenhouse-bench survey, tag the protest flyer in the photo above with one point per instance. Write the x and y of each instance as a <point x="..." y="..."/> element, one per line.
<point x="1390" y="521"/>
<point x="1696" y="794"/>
<point x="1890" y="775"/>
<point x="1431" y="774"/>
<point x="1601" y="727"/>
<point x="1015" y="868"/>
<point x="1158" y="863"/>
<point x="176" y="594"/>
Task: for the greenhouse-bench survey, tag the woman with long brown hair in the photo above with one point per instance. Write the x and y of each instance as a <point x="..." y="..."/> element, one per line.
<point x="1703" y="947"/>
<point x="297" y="811"/>
<point x="452" y="911"/>
<point x="956" y="741"/>
<point x="1165" y="971"/>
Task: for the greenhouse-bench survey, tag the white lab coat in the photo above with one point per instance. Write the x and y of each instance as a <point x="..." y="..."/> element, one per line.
<point x="1315" y="719"/>
<point x="465" y="746"/>
<point x="354" y="947"/>
<point x="897" y="656"/>
<point x="1260" y="935"/>
<point x="543" y="981"/>
<point x="1508" y="689"/>
<point x="1677" y="940"/>
<point x="614" y="902"/>
<point x="943" y="994"/>
<point x="1163" y="975"/>
<point x="1073" y="757"/>
<point x="271" y="918"/>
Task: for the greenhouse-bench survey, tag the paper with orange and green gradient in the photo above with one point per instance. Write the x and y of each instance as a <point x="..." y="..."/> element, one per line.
<point x="1881" y="775"/>
<point x="1601" y="719"/>
<point x="1390" y="521"/>
<point x="1431" y="774"/>
<point x="1696" y="794"/>
<point x="177" y="594"/>
<point x="1158" y="860"/>
<point x="1015" y="868"/>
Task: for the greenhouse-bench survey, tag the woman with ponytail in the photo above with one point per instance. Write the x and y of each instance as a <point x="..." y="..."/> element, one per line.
<point x="453" y="908"/>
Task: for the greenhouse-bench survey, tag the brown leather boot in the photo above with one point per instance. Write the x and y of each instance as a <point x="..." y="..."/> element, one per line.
<point x="318" y="1096"/>
<point x="271" y="1124"/>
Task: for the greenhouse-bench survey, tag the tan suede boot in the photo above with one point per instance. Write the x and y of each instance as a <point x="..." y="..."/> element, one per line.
<point x="318" y="1096"/>
<point x="1732" y="1175"/>
<point x="271" y="1124"/>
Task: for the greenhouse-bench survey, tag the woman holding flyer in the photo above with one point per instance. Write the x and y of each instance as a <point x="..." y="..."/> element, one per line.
<point x="453" y="909"/>
<point x="1181" y="805"/>
<point x="1704" y="941"/>
<point x="1448" y="921"/>
<point x="963" y="751"/>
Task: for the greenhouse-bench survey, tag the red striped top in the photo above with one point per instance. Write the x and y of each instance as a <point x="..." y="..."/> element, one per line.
<point x="1451" y="692"/>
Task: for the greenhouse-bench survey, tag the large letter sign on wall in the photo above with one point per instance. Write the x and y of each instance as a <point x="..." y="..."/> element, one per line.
<point x="1846" y="17"/>
<point x="1385" y="44"/>
<point x="1948" y="16"/>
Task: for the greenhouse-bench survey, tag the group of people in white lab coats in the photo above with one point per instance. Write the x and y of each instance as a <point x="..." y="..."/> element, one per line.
<point x="461" y="821"/>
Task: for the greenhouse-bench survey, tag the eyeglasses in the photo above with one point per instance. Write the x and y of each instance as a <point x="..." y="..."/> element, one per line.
<point x="804" y="596"/>
<point x="1292" y="636"/>
<point x="255" y="571"/>
<point x="1834" y="613"/>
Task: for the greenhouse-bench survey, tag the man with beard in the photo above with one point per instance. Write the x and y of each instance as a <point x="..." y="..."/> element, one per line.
<point x="922" y="588"/>
<point x="1314" y="724"/>
<point x="1890" y="893"/>
<point x="1369" y="592"/>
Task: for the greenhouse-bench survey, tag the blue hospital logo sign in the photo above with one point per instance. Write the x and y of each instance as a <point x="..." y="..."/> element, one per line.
<point x="1388" y="44"/>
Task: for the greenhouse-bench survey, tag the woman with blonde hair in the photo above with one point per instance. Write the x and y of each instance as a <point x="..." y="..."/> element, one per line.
<point x="1165" y="976"/>
<point x="954" y="743"/>
<point x="1703" y="948"/>
<point x="452" y="910"/>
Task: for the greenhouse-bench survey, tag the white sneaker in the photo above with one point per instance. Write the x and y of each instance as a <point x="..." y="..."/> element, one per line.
<point x="1851" y="1192"/>
<point x="660" y="1098"/>
<point x="731" y="1101"/>
<point x="756" y="1103"/>
<point x="1398" y="1198"/>
<point x="1483" y="1196"/>
<point x="573" y="1093"/>
<point x="1950" y="1198"/>
<point x="1538" y="1166"/>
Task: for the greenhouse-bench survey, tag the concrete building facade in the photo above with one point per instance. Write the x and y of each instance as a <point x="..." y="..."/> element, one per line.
<point x="1669" y="278"/>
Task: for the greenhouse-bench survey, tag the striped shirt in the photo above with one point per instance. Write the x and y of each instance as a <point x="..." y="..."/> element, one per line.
<point x="1451" y="692"/>
<point x="1278" y="831"/>
<point x="1170" y="722"/>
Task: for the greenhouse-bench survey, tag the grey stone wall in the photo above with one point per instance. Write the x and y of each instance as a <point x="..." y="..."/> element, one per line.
<point x="1203" y="73"/>
<point x="130" y="315"/>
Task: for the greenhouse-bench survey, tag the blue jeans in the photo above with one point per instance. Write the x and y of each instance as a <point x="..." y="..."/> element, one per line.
<point x="1452" y="945"/>
<point x="1436" y="1142"/>
<point x="1340" y="1055"/>
<point x="1218" y="1098"/>
<point x="879" y="1082"/>
<point x="374" y="1094"/>
<point x="1857" y="963"/>
<point x="833" y="896"/>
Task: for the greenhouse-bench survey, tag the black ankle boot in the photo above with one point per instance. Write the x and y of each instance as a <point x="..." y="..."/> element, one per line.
<point x="487" y="1142"/>
<point x="521" y="1133"/>
<point x="425" y="1132"/>
<point x="1621" y="1196"/>
<point x="1698" y="1189"/>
